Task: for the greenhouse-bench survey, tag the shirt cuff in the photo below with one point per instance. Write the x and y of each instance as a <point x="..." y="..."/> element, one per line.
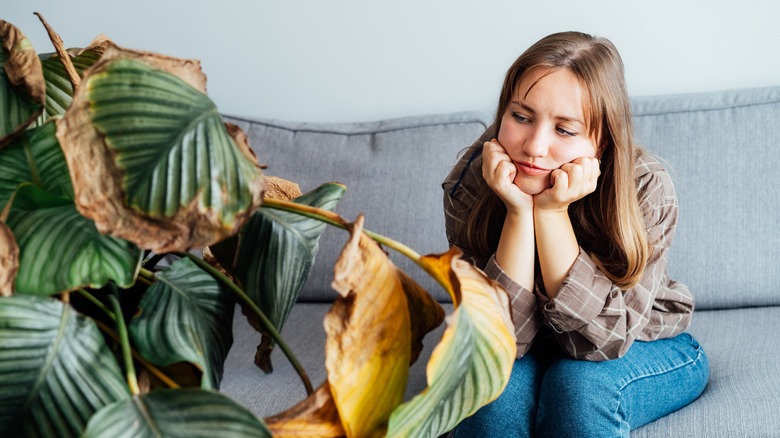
<point x="523" y="306"/>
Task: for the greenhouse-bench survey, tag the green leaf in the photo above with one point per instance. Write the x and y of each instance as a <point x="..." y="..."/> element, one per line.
<point x="60" y="250"/>
<point x="470" y="366"/>
<point x="34" y="157"/>
<point x="59" y="90"/>
<point x="277" y="250"/>
<point x="21" y="82"/>
<point x="55" y="369"/>
<point x="170" y="142"/>
<point x="186" y="413"/>
<point x="185" y="316"/>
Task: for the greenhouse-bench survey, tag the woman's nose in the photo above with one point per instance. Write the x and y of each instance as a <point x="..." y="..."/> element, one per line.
<point x="537" y="144"/>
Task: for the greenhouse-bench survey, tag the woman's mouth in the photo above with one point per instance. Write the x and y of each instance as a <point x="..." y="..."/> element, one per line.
<point x="531" y="169"/>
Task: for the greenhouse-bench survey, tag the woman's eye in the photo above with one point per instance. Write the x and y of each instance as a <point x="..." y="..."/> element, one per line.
<point x="520" y="118"/>
<point x="566" y="132"/>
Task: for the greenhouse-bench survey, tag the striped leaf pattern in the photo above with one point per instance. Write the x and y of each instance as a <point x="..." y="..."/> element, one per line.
<point x="170" y="143"/>
<point x="34" y="157"/>
<point x="277" y="250"/>
<point x="59" y="90"/>
<point x="55" y="369"/>
<point x="471" y="364"/>
<point x="75" y="254"/>
<point x="185" y="413"/>
<point x="185" y="316"/>
<point x="20" y="103"/>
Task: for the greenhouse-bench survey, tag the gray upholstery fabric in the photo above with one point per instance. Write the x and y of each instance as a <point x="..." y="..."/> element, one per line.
<point x="723" y="152"/>
<point x="742" y="398"/>
<point x="393" y="172"/>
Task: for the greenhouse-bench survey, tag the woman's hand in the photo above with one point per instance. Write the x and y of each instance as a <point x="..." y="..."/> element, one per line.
<point x="499" y="172"/>
<point x="572" y="182"/>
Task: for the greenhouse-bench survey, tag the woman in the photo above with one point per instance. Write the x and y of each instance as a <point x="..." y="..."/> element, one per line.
<point x="557" y="204"/>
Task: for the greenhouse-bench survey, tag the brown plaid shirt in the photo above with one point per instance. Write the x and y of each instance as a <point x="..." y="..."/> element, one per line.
<point x="592" y="318"/>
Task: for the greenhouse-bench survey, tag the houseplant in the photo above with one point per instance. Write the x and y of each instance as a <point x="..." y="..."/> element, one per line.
<point x="111" y="158"/>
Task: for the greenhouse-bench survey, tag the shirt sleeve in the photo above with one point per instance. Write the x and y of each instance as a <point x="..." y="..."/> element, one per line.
<point x="594" y="319"/>
<point x="460" y="192"/>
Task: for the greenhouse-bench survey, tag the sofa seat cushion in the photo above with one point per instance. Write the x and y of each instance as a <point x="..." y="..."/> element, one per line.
<point x="741" y="399"/>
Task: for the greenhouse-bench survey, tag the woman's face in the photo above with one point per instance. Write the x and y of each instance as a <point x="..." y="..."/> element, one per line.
<point x="544" y="126"/>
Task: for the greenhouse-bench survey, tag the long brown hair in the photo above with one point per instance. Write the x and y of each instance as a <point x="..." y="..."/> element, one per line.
<point x="608" y="223"/>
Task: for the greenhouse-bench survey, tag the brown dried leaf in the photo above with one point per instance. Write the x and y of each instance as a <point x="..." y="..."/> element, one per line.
<point x="97" y="180"/>
<point x="282" y="189"/>
<point x="316" y="416"/>
<point x="23" y="70"/>
<point x="426" y="314"/>
<point x="9" y="260"/>
<point x="368" y="337"/>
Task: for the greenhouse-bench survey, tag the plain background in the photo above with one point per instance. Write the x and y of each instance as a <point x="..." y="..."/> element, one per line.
<point x="358" y="60"/>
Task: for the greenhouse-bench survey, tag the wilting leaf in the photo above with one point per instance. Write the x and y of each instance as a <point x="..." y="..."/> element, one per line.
<point x="34" y="157"/>
<point x="186" y="413"/>
<point x="315" y="417"/>
<point x="9" y="260"/>
<point x="55" y="369"/>
<point x="368" y="337"/>
<point x="149" y="155"/>
<point x="22" y="89"/>
<point x="185" y="316"/>
<point x="276" y="252"/>
<point x="59" y="90"/>
<point x="471" y="364"/>
<point x="60" y="250"/>
<point x="425" y="313"/>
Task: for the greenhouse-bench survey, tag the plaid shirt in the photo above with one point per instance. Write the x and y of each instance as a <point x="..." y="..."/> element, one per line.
<point x="591" y="318"/>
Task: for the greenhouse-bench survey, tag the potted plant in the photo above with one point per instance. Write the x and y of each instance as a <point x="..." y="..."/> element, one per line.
<point x="111" y="159"/>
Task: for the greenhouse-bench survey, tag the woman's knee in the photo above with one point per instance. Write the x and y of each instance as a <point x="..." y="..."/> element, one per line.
<point x="577" y="398"/>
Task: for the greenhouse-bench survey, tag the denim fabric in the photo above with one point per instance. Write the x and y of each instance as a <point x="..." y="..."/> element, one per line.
<point x="549" y="395"/>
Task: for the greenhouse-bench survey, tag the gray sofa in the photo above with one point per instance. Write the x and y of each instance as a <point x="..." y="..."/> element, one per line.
<point x="723" y="151"/>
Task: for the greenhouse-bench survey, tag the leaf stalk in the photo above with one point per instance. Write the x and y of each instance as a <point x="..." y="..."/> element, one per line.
<point x="124" y="341"/>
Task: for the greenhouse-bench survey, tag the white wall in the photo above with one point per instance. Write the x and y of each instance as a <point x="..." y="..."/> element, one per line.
<point x="352" y="60"/>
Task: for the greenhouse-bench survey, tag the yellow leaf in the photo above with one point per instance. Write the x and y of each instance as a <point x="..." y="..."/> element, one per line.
<point x="470" y="366"/>
<point x="368" y="337"/>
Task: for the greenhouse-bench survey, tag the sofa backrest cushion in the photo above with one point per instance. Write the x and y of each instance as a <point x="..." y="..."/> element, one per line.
<point x="723" y="152"/>
<point x="721" y="148"/>
<point x="393" y="172"/>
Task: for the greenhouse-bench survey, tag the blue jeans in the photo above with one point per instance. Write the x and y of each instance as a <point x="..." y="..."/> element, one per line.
<point x="550" y="395"/>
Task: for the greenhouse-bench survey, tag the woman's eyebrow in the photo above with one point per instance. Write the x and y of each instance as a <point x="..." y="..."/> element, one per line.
<point x="561" y="118"/>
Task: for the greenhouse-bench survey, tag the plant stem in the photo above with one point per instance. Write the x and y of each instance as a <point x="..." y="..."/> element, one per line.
<point x="132" y="380"/>
<point x="146" y="275"/>
<point x="97" y="303"/>
<point x="267" y="325"/>
<point x="334" y="219"/>
<point x="137" y="356"/>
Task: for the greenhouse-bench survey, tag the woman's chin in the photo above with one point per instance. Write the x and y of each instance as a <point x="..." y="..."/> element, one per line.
<point x="531" y="187"/>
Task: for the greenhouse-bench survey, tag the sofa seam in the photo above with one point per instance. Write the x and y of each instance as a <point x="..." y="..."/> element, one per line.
<point x="701" y="110"/>
<point x="350" y="134"/>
